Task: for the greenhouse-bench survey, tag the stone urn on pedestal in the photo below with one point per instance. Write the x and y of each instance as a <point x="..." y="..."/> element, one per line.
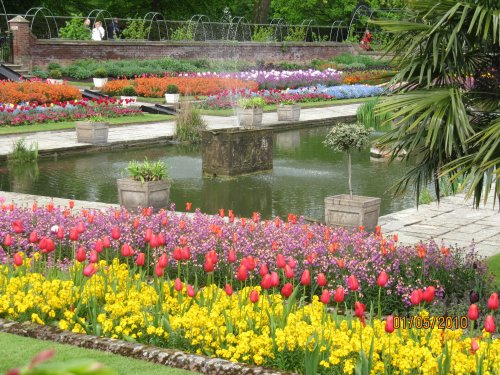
<point x="348" y="210"/>
<point x="148" y="185"/>
<point x="249" y="112"/>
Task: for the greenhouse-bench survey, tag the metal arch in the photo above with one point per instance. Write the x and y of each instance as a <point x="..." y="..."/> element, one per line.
<point x="99" y="12"/>
<point x="43" y="10"/>
<point x="337" y="25"/>
<point x="199" y="18"/>
<point x="240" y="20"/>
<point x="307" y="23"/>
<point x="356" y="16"/>
<point x="278" y="24"/>
<point x="154" y="17"/>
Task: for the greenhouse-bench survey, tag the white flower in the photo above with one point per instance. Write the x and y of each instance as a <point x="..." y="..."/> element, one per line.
<point x="54" y="228"/>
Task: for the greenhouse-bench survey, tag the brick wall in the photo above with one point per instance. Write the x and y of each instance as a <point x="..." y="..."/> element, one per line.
<point x="32" y="51"/>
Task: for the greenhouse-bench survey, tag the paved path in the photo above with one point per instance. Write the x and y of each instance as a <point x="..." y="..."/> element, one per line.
<point x="65" y="140"/>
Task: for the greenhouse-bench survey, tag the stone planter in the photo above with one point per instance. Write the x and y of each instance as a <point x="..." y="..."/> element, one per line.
<point x="128" y="100"/>
<point x="342" y="210"/>
<point x="95" y="133"/>
<point x="133" y="194"/>
<point x="288" y="112"/>
<point x="54" y="81"/>
<point x="172" y="98"/>
<point x="100" y="82"/>
<point x="249" y="118"/>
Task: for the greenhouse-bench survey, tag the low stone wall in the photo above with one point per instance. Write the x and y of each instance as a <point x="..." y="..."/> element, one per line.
<point x="168" y="357"/>
<point x="30" y="51"/>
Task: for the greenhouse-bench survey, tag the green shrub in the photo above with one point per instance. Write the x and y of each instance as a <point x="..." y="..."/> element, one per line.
<point x="172" y="89"/>
<point x="184" y="32"/>
<point x="367" y="115"/>
<point x="136" y="29"/>
<point x="147" y="171"/>
<point x="296" y="34"/>
<point x="75" y="29"/>
<point x="253" y="102"/>
<point x="100" y="73"/>
<point x="263" y="34"/>
<point x="21" y="153"/>
<point x="53" y="66"/>
<point x="78" y="72"/>
<point x="55" y="73"/>
<point x="39" y="72"/>
<point x="189" y="124"/>
<point x="128" y="91"/>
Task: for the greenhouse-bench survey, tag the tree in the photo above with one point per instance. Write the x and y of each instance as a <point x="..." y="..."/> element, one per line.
<point x="445" y="110"/>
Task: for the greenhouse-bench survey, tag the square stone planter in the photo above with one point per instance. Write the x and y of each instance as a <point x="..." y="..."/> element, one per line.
<point x="100" y="82"/>
<point x="249" y="118"/>
<point x="172" y="98"/>
<point x="133" y="194"/>
<point x="342" y="210"/>
<point x="95" y="133"/>
<point x="288" y="112"/>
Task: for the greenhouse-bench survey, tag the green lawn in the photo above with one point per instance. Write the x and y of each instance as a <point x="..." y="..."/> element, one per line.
<point x="125" y="120"/>
<point x="494" y="267"/>
<point x="16" y="351"/>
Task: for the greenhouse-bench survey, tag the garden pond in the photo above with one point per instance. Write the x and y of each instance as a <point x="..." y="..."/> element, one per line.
<point x="304" y="173"/>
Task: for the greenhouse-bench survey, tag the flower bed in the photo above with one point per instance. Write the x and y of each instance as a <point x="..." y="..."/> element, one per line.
<point x="34" y="113"/>
<point x="239" y="289"/>
<point x="366" y="77"/>
<point x="155" y="87"/>
<point x="36" y="91"/>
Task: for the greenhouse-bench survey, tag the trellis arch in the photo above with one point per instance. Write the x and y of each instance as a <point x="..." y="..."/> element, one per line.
<point x="155" y="17"/>
<point x="307" y="25"/>
<point x="236" y="22"/>
<point x="278" y="24"/>
<point x="95" y="14"/>
<point x="203" y="20"/>
<point x="340" y="26"/>
<point x="31" y="15"/>
<point x="6" y="17"/>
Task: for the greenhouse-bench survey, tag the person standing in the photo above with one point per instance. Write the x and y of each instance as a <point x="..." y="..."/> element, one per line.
<point x="114" y="31"/>
<point x="98" y="31"/>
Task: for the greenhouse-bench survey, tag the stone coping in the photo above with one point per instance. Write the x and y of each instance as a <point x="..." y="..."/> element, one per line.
<point x="168" y="357"/>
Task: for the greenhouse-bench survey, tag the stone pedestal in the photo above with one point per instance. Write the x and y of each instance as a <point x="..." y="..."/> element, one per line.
<point x="233" y="152"/>
<point x="344" y="211"/>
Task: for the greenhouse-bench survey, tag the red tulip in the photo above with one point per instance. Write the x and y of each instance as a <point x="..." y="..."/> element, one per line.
<point x="34" y="237"/>
<point x="212" y="254"/>
<point x="80" y="227"/>
<point x="190" y="291"/>
<point x="305" y="279"/>
<point x="339" y="295"/>
<point x="18" y="226"/>
<point x="473" y="312"/>
<point x="140" y="260"/>
<point x="266" y="282"/>
<point x="325" y="297"/>
<point x="73" y="234"/>
<point x="474" y="346"/>
<point x="321" y="279"/>
<point x="186" y="253"/>
<point x="188" y="206"/>
<point x="89" y="270"/>
<point x="229" y="289"/>
<point x="18" y="260"/>
<point x="99" y="247"/>
<point x="136" y="223"/>
<point x="178" y="284"/>
<point x="115" y="233"/>
<point x="292" y="262"/>
<point x="359" y="309"/>
<point x="275" y="279"/>
<point x="221" y="212"/>
<point x="231" y="257"/>
<point x="8" y="240"/>
<point x="159" y="270"/>
<point x="177" y="254"/>
<point x="389" y="324"/>
<point x="254" y="296"/>
<point x="287" y="290"/>
<point x="263" y="270"/>
<point x="106" y="242"/>
<point x="288" y="272"/>
<point x="209" y="265"/>
<point x="489" y="324"/>
<point x="416" y="297"/>
<point x="51" y="246"/>
<point x="127" y="250"/>
<point x="71" y="204"/>
<point x="241" y="274"/>
<point x="148" y="234"/>
<point x="50" y="206"/>
<point x="60" y="233"/>
<point x="428" y="295"/>
<point x="153" y="241"/>
<point x="93" y="257"/>
<point x="352" y="283"/>
<point x="382" y="279"/>
<point x="81" y="254"/>
<point x="161" y="239"/>
<point x="280" y="261"/>
<point x="163" y="261"/>
<point x="493" y="302"/>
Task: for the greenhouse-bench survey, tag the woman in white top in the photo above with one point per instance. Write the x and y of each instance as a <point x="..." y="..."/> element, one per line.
<point x="97" y="31"/>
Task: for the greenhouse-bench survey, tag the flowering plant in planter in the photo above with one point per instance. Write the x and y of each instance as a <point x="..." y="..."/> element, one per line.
<point x="250" y="103"/>
<point x="147" y="171"/>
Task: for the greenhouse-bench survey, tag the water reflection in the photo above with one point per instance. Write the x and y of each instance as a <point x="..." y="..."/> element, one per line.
<point x="304" y="173"/>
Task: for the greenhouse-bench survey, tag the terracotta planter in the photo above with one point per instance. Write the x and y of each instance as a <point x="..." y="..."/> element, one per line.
<point x="100" y="82"/>
<point x="288" y="112"/>
<point x="250" y="118"/>
<point x="172" y="98"/>
<point x="134" y="194"/>
<point x="342" y="210"/>
<point x="95" y="133"/>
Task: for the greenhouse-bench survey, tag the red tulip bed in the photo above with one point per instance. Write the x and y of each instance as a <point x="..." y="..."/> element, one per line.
<point x="280" y="293"/>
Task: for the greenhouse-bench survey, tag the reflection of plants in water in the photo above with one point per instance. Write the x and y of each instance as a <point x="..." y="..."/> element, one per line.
<point x="21" y="153"/>
<point x="23" y="175"/>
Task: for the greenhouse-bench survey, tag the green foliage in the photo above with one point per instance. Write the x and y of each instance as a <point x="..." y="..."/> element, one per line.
<point x="21" y="153"/>
<point x="288" y="102"/>
<point x="189" y="124"/>
<point x="172" y="89"/>
<point x="348" y="59"/>
<point x="74" y="29"/>
<point x="184" y="32"/>
<point x="147" y="171"/>
<point x="128" y="91"/>
<point x="345" y="137"/>
<point x="324" y="12"/>
<point x="53" y="66"/>
<point x="136" y="29"/>
<point x="39" y="72"/>
<point x="253" y="102"/>
<point x="263" y="34"/>
<point x="100" y="73"/>
<point x="369" y="117"/>
<point x="55" y="73"/>
<point x="296" y="34"/>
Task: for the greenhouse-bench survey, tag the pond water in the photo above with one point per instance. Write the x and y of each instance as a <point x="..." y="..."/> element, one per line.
<point x="304" y="173"/>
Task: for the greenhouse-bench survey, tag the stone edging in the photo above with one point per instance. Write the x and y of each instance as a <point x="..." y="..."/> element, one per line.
<point x="168" y="357"/>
